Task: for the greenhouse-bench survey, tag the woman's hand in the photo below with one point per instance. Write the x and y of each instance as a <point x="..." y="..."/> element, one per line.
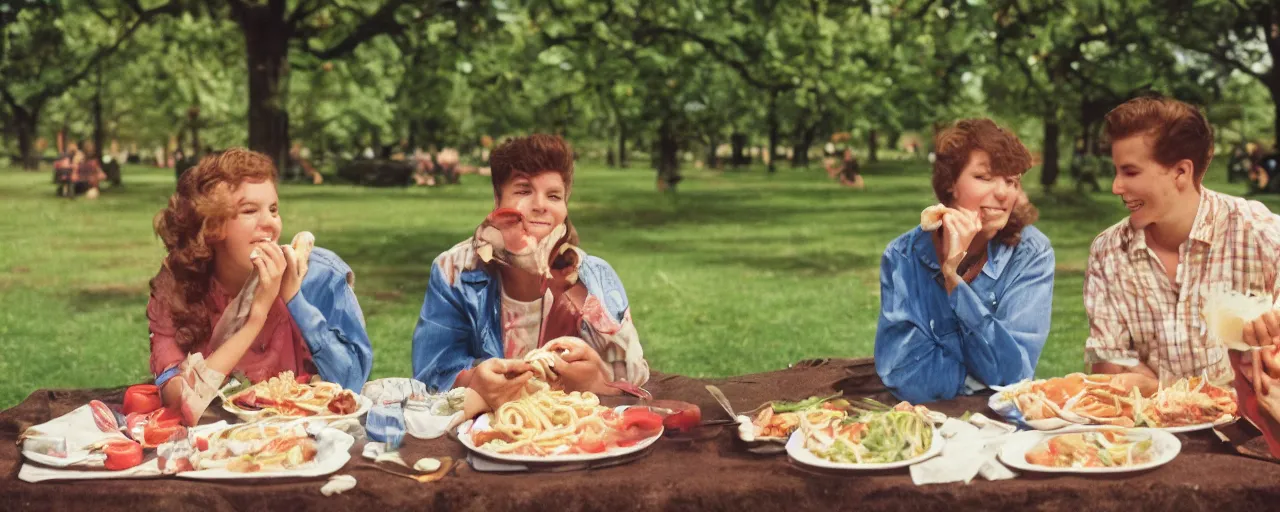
<point x="959" y="227"/>
<point x="291" y="279"/>
<point x="579" y="366"/>
<point x="271" y="264"/>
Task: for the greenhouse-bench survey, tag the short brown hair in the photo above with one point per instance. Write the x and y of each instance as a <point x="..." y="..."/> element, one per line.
<point x="1179" y="131"/>
<point x="955" y="144"/>
<point x="532" y="155"/>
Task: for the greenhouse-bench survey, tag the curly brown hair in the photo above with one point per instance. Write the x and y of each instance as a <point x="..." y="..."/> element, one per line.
<point x="189" y="226"/>
<point x="956" y="143"/>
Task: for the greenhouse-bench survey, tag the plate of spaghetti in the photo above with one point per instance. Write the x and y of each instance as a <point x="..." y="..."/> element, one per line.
<point x="554" y="426"/>
<point x="547" y="425"/>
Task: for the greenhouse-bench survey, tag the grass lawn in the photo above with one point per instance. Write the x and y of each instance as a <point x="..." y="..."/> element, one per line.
<point x="740" y="272"/>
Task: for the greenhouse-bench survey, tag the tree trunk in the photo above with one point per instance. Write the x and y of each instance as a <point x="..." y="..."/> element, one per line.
<point x="99" y="133"/>
<point x="622" y="145"/>
<point x="800" y="150"/>
<point x="1274" y="87"/>
<point x="266" y="38"/>
<point x="25" y="124"/>
<point x="668" y="157"/>
<point x="713" y="161"/>
<point x="872" y="147"/>
<point x="193" y="116"/>
<point x="1049" y="153"/>
<point x="773" y="131"/>
<point x="739" y="142"/>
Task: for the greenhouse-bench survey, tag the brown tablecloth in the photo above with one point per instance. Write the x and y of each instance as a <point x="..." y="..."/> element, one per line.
<point x="712" y="474"/>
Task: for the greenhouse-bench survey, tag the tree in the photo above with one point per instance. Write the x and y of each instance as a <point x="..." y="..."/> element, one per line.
<point x="47" y="48"/>
<point x="1239" y="35"/>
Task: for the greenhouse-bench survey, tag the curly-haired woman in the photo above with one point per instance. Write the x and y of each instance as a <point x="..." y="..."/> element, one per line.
<point x="221" y="230"/>
<point x="965" y="298"/>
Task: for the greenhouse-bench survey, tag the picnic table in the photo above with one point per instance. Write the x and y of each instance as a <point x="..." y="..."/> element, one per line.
<point x="714" y="473"/>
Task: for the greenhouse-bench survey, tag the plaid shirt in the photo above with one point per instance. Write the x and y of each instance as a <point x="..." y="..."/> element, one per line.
<point x="1136" y="314"/>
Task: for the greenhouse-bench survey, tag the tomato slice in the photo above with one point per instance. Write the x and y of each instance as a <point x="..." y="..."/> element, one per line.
<point x="641" y="419"/>
<point x="123" y="455"/>
<point x="156" y="435"/>
<point x="164" y="417"/>
<point x="590" y="444"/>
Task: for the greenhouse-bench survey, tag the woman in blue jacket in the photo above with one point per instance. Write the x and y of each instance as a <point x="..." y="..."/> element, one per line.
<point x="965" y="298"/>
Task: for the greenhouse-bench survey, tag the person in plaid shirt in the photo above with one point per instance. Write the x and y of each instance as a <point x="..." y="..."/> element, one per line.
<point x="1149" y="275"/>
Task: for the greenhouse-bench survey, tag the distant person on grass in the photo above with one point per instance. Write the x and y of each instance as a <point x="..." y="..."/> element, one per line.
<point x="221" y="225"/>
<point x="965" y="301"/>
<point x="522" y="283"/>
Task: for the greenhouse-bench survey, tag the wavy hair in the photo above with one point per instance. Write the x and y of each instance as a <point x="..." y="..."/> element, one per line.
<point x="189" y="226"/>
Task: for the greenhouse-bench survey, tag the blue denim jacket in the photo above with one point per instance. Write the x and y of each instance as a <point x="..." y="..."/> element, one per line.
<point x="329" y="316"/>
<point x="460" y="321"/>
<point x="330" y="319"/>
<point x="928" y="344"/>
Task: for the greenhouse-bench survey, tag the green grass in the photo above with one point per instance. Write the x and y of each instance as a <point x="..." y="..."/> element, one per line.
<point x="740" y="272"/>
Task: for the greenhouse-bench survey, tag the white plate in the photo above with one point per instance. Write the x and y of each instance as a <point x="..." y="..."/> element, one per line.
<point x="482" y="423"/>
<point x="798" y="453"/>
<point x="332" y="454"/>
<point x="1165" y="447"/>
<point x="251" y="416"/>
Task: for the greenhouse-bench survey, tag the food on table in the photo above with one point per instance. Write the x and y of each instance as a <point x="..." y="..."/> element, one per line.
<point x="103" y="417"/>
<point x="283" y="395"/>
<point x="931" y="217"/>
<point x="557" y="423"/>
<point x="902" y="433"/>
<point x="1226" y="312"/>
<point x="142" y="398"/>
<point x="155" y="428"/>
<point x="1100" y="449"/>
<point x="778" y="419"/>
<point x="259" y="447"/>
<point x="1189" y="402"/>
<point x="122" y="454"/>
<point x="1102" y="400"/>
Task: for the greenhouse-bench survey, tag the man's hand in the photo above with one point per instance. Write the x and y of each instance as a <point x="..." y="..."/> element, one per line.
<point x="499" y="381"/>
<point x="579" y="366"/>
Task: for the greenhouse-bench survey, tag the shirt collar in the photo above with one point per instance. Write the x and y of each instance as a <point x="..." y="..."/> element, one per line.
<point x="1202" y="228"/>
<point x="1206" y="222"/>
<point x="998" y="254"/>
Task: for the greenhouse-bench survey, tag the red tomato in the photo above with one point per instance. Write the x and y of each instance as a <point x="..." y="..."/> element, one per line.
<point x="123" y="455"/>
<point x="684" y="420"/>
<point x="641" y="419"/>
<point x="202" y="444"/>
<point x="156" y="435"/>
<point x="143" y="398"/>
<point x="164" y="417"/>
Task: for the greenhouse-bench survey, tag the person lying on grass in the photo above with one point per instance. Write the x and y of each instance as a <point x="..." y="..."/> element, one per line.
<point x="522" y="282"/>
<point x="965" y="298"/>
<point x="221" y="230"/>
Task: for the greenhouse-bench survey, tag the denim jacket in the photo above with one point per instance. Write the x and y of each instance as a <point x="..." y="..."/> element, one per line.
<point x="932" y="346"/>
<point x="460" y="321"/>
